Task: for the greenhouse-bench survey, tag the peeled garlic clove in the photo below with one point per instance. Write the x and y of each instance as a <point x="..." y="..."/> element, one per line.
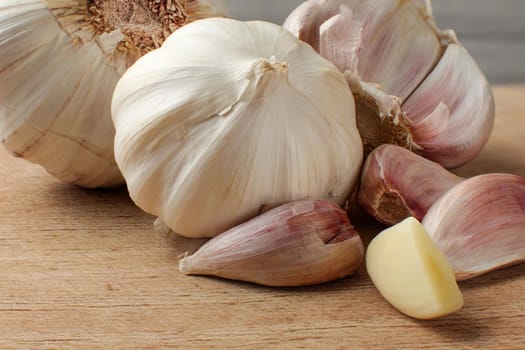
<point x="452" y="112"/>
<point x="387" y="49"/>
<point x="480" y="224"/>
<point x="396" y="183"/>
<point x="297" y="244"/>
<point x="204" y="144"/>
<point x="411" y="272"/>
<point x="61" y="60"/>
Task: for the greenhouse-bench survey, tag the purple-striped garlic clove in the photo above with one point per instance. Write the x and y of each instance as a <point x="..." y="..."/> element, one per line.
<point x="452" y="111"/>
<point x="396" y="184"/>
<point x="414" y="85"/>
<point x="300" y="243"/>
<point x="480" y="224"/>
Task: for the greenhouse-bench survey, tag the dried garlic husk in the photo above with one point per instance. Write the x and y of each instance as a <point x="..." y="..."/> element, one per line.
<point x="206" y="143"/>
<point x="415" y="86"/>
<point x="480" y="224"/>
<point x="59" y="63"/>
<point x="296" y="244"/>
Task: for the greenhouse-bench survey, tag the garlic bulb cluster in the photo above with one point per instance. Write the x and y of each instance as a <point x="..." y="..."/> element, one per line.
<point x="59" y="63"/>
<point x="415" y="85"/>
<point x="230" y="118"/>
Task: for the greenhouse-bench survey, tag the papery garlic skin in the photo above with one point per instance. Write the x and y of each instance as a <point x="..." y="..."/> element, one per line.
<point x="480" y="224"/>
<point x="59" y="63"/>
<point x="296" y="244"/>
<point x="207" y="143"/>
<point x="415" y="85"/>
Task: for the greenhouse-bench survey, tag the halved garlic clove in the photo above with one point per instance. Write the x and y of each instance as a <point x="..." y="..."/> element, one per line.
<point x="386" y="50"/>
<point x="61" y="60"/>
<point x="396" y="183"/>
<point x="480" y="224"/>
<point x="411" y="272"/>
<point x="297" y="244"/>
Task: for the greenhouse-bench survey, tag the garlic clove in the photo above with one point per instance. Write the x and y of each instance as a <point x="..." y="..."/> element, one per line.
<point x="390" y="43"/>
<point x="411" y="272"/>
<point x="452" y="112"/>
<point x="386" y="49"/>
<point x="480" y="224"/>
<point x="305" y="20"/>
<point x="341" y="27"/>
<point x="61" y="61"/>
<point x="402" y="49"/>
<point x="297" y="244"/>
<point x="396" y="183"/>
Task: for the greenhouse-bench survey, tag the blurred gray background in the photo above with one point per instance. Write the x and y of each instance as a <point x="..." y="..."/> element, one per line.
<point x="492" y="30"/>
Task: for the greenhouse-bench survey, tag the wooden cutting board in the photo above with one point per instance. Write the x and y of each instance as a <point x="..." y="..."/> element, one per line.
<point x="84" y="269"/>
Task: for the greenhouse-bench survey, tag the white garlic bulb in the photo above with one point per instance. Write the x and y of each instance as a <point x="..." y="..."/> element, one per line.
<point x="59" y="63"/>
<point x="228" y="118"/>
<point x="415" y="85"/>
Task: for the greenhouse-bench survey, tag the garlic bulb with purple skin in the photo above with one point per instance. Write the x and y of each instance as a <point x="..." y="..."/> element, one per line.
<point x="415" y="85"/>
<point x="59" y="63"/>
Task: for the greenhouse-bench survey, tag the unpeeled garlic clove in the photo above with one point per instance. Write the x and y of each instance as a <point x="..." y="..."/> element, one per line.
<point x="301" y="243"/>
<point x="414" y="84"/>
<point x="396" y="183"/>
<point x="452" y="112"/>
<point x="480" y="224"/>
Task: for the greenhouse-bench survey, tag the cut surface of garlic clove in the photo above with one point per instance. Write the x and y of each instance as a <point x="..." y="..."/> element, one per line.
<point x="296" y="244"/>
<point x="415" y="86"/>
<point x="412" y="273"/>
<point x="396" y="183"/>
<point x="60" y="62"/>
<point x="204" y="144"/>
<point x="480" y="224"/>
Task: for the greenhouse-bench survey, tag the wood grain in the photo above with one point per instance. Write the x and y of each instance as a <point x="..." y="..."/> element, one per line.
<point x="84" y="269"/>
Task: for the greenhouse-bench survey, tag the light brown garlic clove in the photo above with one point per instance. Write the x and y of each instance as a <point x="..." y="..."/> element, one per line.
<point x="296" y="244"/>
<point x="480" y="224"/>
<point x="396" y="183"/>
<point x="387" y="49"/>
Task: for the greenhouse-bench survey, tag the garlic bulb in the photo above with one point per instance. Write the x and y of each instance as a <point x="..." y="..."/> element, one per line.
<point x="415" y="85"/>
<point x="229" y="118"/>
<point x="59" y="63"/>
